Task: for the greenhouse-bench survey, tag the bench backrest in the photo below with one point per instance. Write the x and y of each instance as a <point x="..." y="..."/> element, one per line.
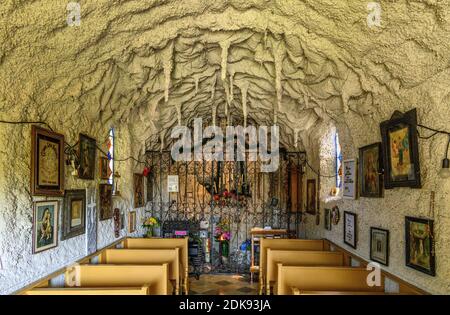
<point x="286" y="244"/>
<point x="144" y="257"/>
<point x="300" y="258"/>
<point x="323" y="279"/>
<point x="89" y="276"/>
<point x="89" y="291"/>
<point x="160" y="243"/>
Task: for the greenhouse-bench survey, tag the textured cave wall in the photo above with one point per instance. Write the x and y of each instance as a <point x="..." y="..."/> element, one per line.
<point x="147" y="65"/>
<point x="19" y="266"/>
<point x="433" y="103"/>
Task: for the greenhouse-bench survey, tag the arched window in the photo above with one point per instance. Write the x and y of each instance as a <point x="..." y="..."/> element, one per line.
<point x="338" y="161"/>
<point x="111" y="157"/>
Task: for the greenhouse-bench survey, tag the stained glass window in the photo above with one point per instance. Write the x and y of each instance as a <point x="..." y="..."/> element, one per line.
<point x="111" y="157"/>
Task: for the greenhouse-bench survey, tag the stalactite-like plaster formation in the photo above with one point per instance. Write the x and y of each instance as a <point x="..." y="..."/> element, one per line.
<point x="313" y="62"/>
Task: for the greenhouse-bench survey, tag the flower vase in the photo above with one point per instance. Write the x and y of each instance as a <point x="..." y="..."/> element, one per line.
<point x="149" y="232"/>
<point x="225" y="248"/>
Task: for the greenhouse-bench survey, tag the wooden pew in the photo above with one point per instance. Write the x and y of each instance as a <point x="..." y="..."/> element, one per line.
<point x="146" y="257"/>
<point x="323" y="279"/>
<point x="164" y="243"/>
<point x="296" y="291"/>
<point x="284" y="244"/>
<point x="144" y="290"/>
<point x="298" y="258"/>
<point x="92" y="276"/>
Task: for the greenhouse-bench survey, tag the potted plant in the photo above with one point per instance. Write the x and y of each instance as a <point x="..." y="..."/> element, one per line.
<point x="149" y="224"/>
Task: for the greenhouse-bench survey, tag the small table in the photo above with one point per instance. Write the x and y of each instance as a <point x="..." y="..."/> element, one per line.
<point x="256" y="235"/>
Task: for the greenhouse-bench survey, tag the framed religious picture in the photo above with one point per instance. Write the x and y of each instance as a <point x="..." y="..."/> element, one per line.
<point x="74" y="213"/>
<point x="350" y="179"/>
<point x="132" y="221"/>
<point x="327" y="219"/>
<point x="105" y="170"/>
<point x="335" y="215"/>
<point x="106" y="211"/>
<point x="138" y="190"/>
<point x="47" y="162"/>
<point x="400" y="151"/>
<point x="370" y="171"/>
<point x="419" y="245"/>
<point x="379" y="245"/>
<point x="45" y="225"/>
<point x="87" y="154"/>
<point x="350" y="229"/>
<point x="311" y="196"/>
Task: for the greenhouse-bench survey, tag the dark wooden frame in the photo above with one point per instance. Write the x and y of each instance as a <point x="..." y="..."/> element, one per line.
<point x="92" y="142"/>
<point x="346" y="213"/>
<point x="103" y="160"/>
<point x="373" y="229"/>
<point x="67" y="231"/>
<point x="327" y="219"/>
<point x="100" y="212"/>
<point x="410" y="120"/>
<point x="138" y="179"/>
<point x="432" y="270"/>
<point x="41" y="190"/>
<point x="362" y="191"/>
<point x="308" y="210"/>
<point x="56" y="227"/>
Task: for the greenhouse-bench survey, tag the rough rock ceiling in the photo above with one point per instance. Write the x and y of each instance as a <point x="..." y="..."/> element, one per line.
<point x="151" y="63"/>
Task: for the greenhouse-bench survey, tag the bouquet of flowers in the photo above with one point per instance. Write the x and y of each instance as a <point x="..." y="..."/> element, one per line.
<point x="149" y="224"/>
<point x="222" y="231"/>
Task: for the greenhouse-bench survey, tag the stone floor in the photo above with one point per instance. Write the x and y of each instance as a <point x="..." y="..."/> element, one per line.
<point x="222" y="284"/>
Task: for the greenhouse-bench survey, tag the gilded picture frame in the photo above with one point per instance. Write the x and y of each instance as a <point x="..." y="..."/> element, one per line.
<point x="419" y="242"/>
<point x="371" y="183"/>
<point x="139" y="197"/>
<point x="47" y="162"/>
<point x="106" y="206"/>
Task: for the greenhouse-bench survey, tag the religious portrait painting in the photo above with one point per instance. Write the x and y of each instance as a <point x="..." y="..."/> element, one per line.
<point x="420" y="253"/>
<point x="370" y="171"/>
<point x="400" y="150"/>
<point x="138" y="190"/>
<point x="106" y="211"/>
<point x="87" y="155"/>
<point x="47" y="162"/>
<point x="327" y="219"/>
<point x="74" y="213"/>
<point x="311" y="196"/>
<point x="45" y="225"/>
<point x="105" y="169"/>
<point x="379" y="245"/>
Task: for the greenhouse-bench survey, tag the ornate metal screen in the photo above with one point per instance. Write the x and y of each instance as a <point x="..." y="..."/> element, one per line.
<point x="229" y="191"/>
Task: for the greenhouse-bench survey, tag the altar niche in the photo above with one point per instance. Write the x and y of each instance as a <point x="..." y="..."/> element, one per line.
<point x="221" y="201"/>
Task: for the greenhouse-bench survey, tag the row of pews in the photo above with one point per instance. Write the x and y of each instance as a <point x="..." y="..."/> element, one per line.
<point x="135" y="266"/>
<point x="309" y="267"/>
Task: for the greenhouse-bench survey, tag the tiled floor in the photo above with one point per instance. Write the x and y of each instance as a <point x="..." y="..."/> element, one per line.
<point x="223" y="284"/>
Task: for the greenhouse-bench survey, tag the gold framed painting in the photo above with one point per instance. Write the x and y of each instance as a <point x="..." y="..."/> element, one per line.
<point x="74" y="213"/>
<point x="138" y="190"/>
<point x="87" y="153"/>
<point x="311" y="196"/>
<point x="45" y="225"/>
<point x="106" y="211"/>
<point x="105" y="170"/>
<point x="47" y="162"/>
<point x="370" y="171"/>
<point x="132" y="221"/>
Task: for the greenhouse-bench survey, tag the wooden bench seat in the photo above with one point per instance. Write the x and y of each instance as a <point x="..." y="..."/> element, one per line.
<point x="144" y="290"/>
<point x="323" y="279"/>
<point x="93" y="276"/>
<point x="298" y="258"/>
<point x="146" y="257"/>
<point x="284" y="244"/>
<point x="164" y="243"/>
